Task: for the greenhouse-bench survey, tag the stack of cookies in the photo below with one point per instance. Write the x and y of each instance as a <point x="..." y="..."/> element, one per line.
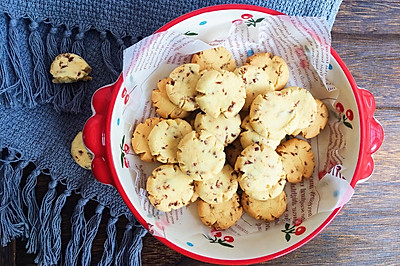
<point x="226" y="137"/>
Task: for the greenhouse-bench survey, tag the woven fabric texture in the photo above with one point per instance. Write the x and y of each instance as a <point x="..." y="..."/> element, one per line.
<point x="39" y="119"/>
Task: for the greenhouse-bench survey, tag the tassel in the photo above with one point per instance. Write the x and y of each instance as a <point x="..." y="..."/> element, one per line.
<point x="77" y="46"/>
<point x="10" y="93"/>
<point x="69" y="97"/>
<point x="52" y="52"/>
<point x="55" y="232"/>
<point x="45" y="252"/>
<point x="51" y="43"/>
<point x="79" y="49"/>
<point x="121" y="258"/>
<point x="77" y="231"/>
<point x="40" y="77"/>
<point x="8" y="89"/>
<point x="106" y="53"/>
<point x="13" y="222"/>
<point x="91" y="231"/>
<point x="131" y="245"/>
<point x="25" y="90"/>
<point x="120" y="57"/>
<point x="29" y="199"/>
<point x="5" y="99"/>
<point x="62" y="94"/>
<point x="66" y="41"/>
<point x="136" y="246"/>
<point x="110" y="244"/>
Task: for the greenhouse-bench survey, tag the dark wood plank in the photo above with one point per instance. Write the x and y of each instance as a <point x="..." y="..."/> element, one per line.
<point x="374" y="62"/>
<point x="375" y="17"/>
<point x="156" y="253"/>
<point x="8" y="254"/>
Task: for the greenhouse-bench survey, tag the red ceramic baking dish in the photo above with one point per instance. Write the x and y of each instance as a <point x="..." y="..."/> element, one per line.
<point x="108" y="132"/>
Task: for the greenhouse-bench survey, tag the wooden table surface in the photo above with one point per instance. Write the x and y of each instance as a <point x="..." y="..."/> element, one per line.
<point x="366" y="35"/>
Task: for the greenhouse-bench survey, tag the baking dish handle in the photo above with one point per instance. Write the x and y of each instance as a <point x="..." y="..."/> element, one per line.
<point x="94" y="132"/>
<point x="373" y="136"/>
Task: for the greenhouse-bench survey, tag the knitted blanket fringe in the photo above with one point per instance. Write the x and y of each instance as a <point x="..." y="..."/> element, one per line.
<point x="16" y="90"/>
<point x="40" y="224"/>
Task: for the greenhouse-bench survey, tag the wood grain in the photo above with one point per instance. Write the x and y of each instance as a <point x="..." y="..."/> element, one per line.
<point x="374" y="62"/>
<point x="7" y="254"/>
<point x="368" y="17"/>
<point x="366" y="35"/>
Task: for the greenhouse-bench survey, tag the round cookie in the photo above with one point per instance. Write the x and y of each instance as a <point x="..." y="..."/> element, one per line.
<point x="165" y="137"/>
<point x="217" y="58"/>
<point x="305" y="106"/>
<point x="232" y="151"/>
<point x="268" y="193"/>
<point x="249" y="136"/>
<point x="200" y="155"/>
<point x="164" y="107"/>
<point x="226" y="130"/>
<point x="169" y="188"/>
<point x="220" y="188"/>
<point x="221" y="216"/>
<point x="275" y="67"/>
<point x="297" y="159"/>
<point x="319" y="123"/>
<point x="69" y="68"/>
<point x="266" y="210"/>
<point x="181" y="87"/>
<point x="220" y="93"/>
<point x="260" y="168"/>
<point x="139" y="140"/>
<point x="273" y="115"/>
<point x="256" y="81"/>
<point x="79" y="152"/>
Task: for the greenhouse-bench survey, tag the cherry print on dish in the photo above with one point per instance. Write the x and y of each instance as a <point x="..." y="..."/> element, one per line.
<point x="217" y="238"/>
<point x="296" y="229"/>
<point x="248" y="19"/>
<point x="124" y="151"/>
<point x="125" y="95"/>
<point x="345" y="117"/>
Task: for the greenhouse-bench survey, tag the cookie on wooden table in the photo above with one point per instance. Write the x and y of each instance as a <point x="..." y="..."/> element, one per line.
<point x="181" y="87"/>
<point x="219" y="188"/>
<point x="297" y="159"/>
<point x="140" y="143"/>
<point x="164" y="107"/>
<point x="69" y="68"/>
<point x="221" y="216"/>
<point x="267" y="210"/>
<point x="200" y="155"/>
<point x="164" y="138"/>
<point x="275" y="67"/>
<point x="218" y="58"/>
<point x="220" y="93"/>
<point x="79" y="152"/>
<point x="226" y="130"/>
<point x="169" y="188"/>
